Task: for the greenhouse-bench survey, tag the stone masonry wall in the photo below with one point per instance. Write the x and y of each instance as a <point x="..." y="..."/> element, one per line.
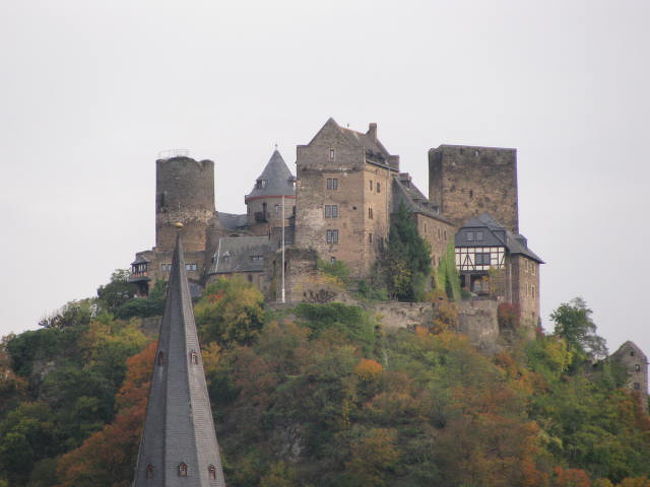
<point x="467" y="181"/>
<point x="478" y="320"/>
<point x="185" y="194"/>
<point x="437" y="233"/>
<point x="525" y="286"/>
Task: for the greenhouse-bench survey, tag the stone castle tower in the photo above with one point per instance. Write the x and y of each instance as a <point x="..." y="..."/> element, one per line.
<point x="185" y="194"/>
<point x="466" y="181"/>
<point x="343" y="193"/>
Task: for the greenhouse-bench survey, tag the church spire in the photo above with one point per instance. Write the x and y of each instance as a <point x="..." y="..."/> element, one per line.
<point x="179" y="446"/>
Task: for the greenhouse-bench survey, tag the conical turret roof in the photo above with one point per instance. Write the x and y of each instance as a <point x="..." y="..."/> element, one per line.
<point x="179" y="445"/>
<point x="276" y="179"/>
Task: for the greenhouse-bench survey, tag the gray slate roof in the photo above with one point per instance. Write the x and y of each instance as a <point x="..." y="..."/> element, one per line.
<point x="405" y="192"/>
<point x="276" y="179"/>
<point x="232" y="221"/>
<point x="494" y="234"/>
<point x="178" y="427"/>
<point x="240" y="254"/>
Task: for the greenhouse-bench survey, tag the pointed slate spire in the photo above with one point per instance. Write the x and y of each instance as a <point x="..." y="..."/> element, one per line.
<point x="276" y="179"/>
<point x="179" y="446"/>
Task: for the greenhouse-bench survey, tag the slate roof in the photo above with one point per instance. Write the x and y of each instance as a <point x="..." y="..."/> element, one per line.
<point x="496" y="235"/>
<point x="630" y="346"/>
<point x="278" y="179"/>
<point x="405" y="192"/>
<point x="178" y="427"/>
<point x="240" y="254"/>
<point x="231" y="221"/>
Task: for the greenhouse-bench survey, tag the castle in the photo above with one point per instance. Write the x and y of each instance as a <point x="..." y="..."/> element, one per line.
<point x="339" y="207"/>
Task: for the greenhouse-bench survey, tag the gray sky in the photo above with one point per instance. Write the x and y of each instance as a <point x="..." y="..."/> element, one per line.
<point x="91" y="91"/>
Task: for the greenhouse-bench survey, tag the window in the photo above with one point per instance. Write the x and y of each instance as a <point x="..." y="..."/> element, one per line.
<point x="190" y="267"/>
<point x="532" y="290"/>
<point x="637" y="367"/>
<point x="194" y="357"/>
<point x="332" y="183"/>
<point x="332" y="259"/>
<point x="257" y="258"/>
<point x="250" y="278"/>
<point x="332" y="236"/>
<point x="182" y="469"/>
<point x="370" y="213"/>
<point x="331" y="211"/>
<point x="532" y="268"/>
<point x="260" y="184"/>
<point x="149" y="472"/>
<point x="370" y="185"/>
<point x="370" y="238"/>
<point x="331" y="154"/>
<point x="479" y="236"/>
<point x="378" y="187"/>
<point x="278" y="209"/>
<point x="212" y="472"/>
<point x="482" y="259"/>
<point x="470" y="236"/>
<point x="631" y="353"/>
<point x="637" y="386"/>
<point x="165" y="267"/>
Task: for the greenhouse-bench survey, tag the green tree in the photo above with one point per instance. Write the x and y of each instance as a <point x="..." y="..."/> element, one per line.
<point x="117" y="292"/>
<point x="407" y="263"/>
<point x="573" y="323"/>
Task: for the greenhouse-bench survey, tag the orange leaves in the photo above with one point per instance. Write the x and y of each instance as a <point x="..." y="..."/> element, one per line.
<point x="107" y="457"/>
<point x="368" y="369"/>
<point x="570" y="477"/>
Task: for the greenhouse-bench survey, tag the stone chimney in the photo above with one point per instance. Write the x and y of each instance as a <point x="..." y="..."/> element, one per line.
<point x="372" y="131"/>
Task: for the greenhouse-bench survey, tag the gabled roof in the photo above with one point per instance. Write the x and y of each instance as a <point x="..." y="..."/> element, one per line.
<point x="276" y="179"/>
<point x="406" y="193"/>
<point x="627" y="347"/>
<point x="374" y="149"/>
<point x="178" y="429"/>
<point x="494" y="234"/>
<point x="240" y="254"/>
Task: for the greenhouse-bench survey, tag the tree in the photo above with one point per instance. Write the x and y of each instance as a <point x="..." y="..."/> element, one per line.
<point x="117" y="292"/>
<point x="573" y="323"/>
<point x="407" y="263"/>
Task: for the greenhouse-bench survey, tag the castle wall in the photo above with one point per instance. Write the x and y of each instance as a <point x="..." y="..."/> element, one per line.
<point x="467" y="181"/>
<point x="261" y="218"/>
<point x="525" y="289"/>
<point x="477" y="318"/>
<point x="185" y="194"/>
<point x="437" y="233"/>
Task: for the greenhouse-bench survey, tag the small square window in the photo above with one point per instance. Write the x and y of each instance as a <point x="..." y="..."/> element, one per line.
<point x="332" y="236"/>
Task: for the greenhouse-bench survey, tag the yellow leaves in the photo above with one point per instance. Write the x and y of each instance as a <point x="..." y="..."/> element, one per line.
<point x="368" y="369"/>
<point x="211" y="354"/>
<point x="372" y="454"/>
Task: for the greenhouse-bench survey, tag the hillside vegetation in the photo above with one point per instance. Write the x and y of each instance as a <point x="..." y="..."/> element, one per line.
<point x="321" y="395"/>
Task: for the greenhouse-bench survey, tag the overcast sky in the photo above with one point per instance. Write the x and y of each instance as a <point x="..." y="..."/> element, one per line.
<point x="92" y="91"/>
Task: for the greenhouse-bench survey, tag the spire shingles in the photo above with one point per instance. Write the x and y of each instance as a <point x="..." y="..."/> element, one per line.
<point x="179" y="445"/>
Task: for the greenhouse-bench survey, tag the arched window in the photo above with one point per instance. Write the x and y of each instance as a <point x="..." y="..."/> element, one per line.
<point x="212" y="472"/>
<point x="149" y="472"/>
<point x="194" y="357"/>
<point x="182" y="469"/>
<point x="161" y="358"/>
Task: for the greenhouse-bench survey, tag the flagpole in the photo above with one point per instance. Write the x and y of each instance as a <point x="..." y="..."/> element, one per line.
<point x="283" y="225"/>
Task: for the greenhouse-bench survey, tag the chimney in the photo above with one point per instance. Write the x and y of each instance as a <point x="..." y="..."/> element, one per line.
<point x="372" y="131"/>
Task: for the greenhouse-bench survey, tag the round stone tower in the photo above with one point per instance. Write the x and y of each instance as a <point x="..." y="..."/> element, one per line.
<point x="185" y="194"/>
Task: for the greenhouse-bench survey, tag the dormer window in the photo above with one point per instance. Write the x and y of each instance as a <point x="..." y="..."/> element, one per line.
<point x="260" y="184"/>
<point x="470" y="236"/>
<point x="182" y="469"/>
<point x="194" y="357"/>
<point x="479" y="236"/>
